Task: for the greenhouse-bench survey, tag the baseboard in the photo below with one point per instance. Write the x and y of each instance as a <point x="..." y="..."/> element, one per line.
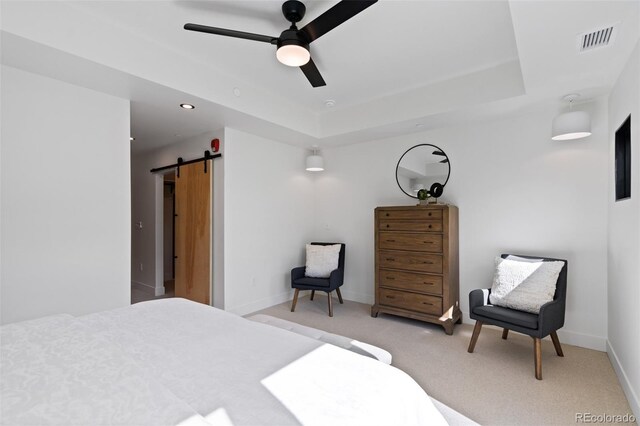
<point x="354" y="296"/>
<point x="632" y="396"/>
<point x="257" y="305"/>
<point x="145" y="288"/>
<point x="589" y="341"/>
<point x="569" y="337"/>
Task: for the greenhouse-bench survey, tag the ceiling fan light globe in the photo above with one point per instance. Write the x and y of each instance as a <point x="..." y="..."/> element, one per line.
<point x="293" y="55"/>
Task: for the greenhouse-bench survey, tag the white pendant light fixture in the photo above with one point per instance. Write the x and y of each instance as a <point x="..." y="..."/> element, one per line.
<point x="571" y="124"/>
<point x="315" y="162"/>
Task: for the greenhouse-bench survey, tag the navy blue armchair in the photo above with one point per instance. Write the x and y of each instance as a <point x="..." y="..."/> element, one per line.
<point x="300" y="282"/>
<point x="538" y="326"/>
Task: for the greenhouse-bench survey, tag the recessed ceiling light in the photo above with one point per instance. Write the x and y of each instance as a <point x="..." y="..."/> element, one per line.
<point x="131" y="138"/>
<point x="187" y="106"/>
<point x="236" y="92"/>
<point x="329" y="103"/>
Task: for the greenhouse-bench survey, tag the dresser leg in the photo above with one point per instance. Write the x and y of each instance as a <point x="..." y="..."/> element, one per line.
<point x="448" y="327"/>
<point x="374" y="312"/>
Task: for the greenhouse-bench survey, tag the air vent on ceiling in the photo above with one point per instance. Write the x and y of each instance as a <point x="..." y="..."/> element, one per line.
<point x="594" y="39"/>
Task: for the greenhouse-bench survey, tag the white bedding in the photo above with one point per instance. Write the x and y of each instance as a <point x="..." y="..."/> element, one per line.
<point x="170" y="361"/>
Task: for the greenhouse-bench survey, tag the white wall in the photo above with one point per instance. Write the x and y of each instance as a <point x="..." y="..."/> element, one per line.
<point x="269" y="216"/>
<point x="518" y="191"/>
<point x="147" y="207"/>
<point x="65" y="198"/>
<point x="624" y="240"/>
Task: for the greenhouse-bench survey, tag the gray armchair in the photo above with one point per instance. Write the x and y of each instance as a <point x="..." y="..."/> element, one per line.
<point x="538" y="326"/>
<point x="335" y="280"/>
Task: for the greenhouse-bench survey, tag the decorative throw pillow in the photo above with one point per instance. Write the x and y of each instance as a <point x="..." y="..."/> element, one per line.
<point x="524" y="285"/>
<point x="523" y="259"/>
<point x="321" y="260"/>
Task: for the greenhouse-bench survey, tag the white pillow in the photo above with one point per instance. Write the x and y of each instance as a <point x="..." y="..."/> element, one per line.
<point x="524" y="285"/>
<point x="523" y="259"/>
<point x="321" y="260"/>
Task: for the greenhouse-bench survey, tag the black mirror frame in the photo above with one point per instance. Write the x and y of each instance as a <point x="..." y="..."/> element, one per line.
<point x="415" y="146"/>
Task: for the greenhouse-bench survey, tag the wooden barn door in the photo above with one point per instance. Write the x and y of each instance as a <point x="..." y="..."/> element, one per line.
<point x="193" y="232"/>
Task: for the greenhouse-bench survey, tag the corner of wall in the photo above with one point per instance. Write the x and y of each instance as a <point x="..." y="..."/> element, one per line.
<point x="625" y="382"/>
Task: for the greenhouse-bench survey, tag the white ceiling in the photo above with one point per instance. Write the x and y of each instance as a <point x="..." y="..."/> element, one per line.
<point x="395" y="65"/>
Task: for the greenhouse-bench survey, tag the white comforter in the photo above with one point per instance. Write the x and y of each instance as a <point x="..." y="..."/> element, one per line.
<point x="173" y="361"/>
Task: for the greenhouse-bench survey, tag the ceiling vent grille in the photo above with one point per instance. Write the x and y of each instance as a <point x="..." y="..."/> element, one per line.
<point x="595" y="39"/>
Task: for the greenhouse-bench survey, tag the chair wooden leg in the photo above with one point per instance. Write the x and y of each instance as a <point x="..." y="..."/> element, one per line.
<point x="313" y="293"/>
<point x="474" y="336"/>
<point x="556" y="343"/>
<point x="537" y="349"/>
<point x="505" y="333"/>
<point x="339" y="295"/>
<point x="295" y="300"/>
<point x="330" y="304"/>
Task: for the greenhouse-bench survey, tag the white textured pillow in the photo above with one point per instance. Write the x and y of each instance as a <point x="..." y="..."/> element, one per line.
<point x="321" y="260"/>
<point x="524" y="286"/>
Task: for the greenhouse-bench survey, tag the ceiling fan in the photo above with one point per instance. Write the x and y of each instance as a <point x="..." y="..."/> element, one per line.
<point x="293" y="44"/>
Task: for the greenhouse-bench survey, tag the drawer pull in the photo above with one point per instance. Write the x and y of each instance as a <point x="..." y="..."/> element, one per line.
<point x="390" y="259"/>
<point x="390" y="297"/>
<point x="427" y="283"/>
<point x="429" y="226"/>
<point x="387" y="215"/>
<point x="387" y="225"/>
<point x="429" y="214"/>
<point x="391" y="241"/>
<point x="428" y="262"/>
<point x="427" y="303"/>
<point x="428" y="242"/>
<point x="390" y="278"/>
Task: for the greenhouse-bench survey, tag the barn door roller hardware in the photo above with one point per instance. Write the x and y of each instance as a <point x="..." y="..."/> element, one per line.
<point x="181" y="162"/>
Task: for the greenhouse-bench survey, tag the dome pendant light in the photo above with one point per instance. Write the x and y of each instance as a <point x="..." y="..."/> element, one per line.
<point x="571" y="124"/>
<point x="315" y="162"/>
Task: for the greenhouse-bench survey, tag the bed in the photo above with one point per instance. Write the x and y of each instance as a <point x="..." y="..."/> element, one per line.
<point x="176" y="362"/>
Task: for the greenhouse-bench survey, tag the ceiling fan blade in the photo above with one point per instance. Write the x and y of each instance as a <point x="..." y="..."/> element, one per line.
<point x="231" y="33"/>
<point x="333" y="17"/>
<point x="313" y="75"/>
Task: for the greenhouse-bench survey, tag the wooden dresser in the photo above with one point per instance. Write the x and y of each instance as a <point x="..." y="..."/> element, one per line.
<point x="417" y="263"/>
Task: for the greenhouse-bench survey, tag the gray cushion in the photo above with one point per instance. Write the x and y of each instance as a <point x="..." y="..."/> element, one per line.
<point x="316" y="282"/>
<point x="523" y="319"/>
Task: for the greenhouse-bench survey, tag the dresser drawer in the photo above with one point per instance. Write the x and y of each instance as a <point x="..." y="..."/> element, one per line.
<point x="414" y="214"/>
<point x="405" y="225"/>
<point x="412" y="301"/>
<point x="412" y="261"/>
<point x="410" y="241"/>
<point x="410" y="281"/>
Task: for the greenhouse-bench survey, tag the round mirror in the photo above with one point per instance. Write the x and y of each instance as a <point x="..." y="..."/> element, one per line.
<point x="425" y="167"/>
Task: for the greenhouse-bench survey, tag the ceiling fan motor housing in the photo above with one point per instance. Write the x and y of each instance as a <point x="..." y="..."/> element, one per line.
<point x="293" y="11"/>
<point x="292" y="36"/>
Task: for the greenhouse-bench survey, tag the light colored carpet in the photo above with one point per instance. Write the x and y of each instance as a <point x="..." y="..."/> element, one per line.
<point x="493" y="386"/>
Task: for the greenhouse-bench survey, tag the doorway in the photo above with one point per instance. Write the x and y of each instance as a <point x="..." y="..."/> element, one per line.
<point x="169" y="232"/>
<point x="192" y="231"/>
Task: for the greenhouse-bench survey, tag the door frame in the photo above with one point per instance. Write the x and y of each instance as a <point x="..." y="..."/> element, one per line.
<point x="217" y="233"/>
